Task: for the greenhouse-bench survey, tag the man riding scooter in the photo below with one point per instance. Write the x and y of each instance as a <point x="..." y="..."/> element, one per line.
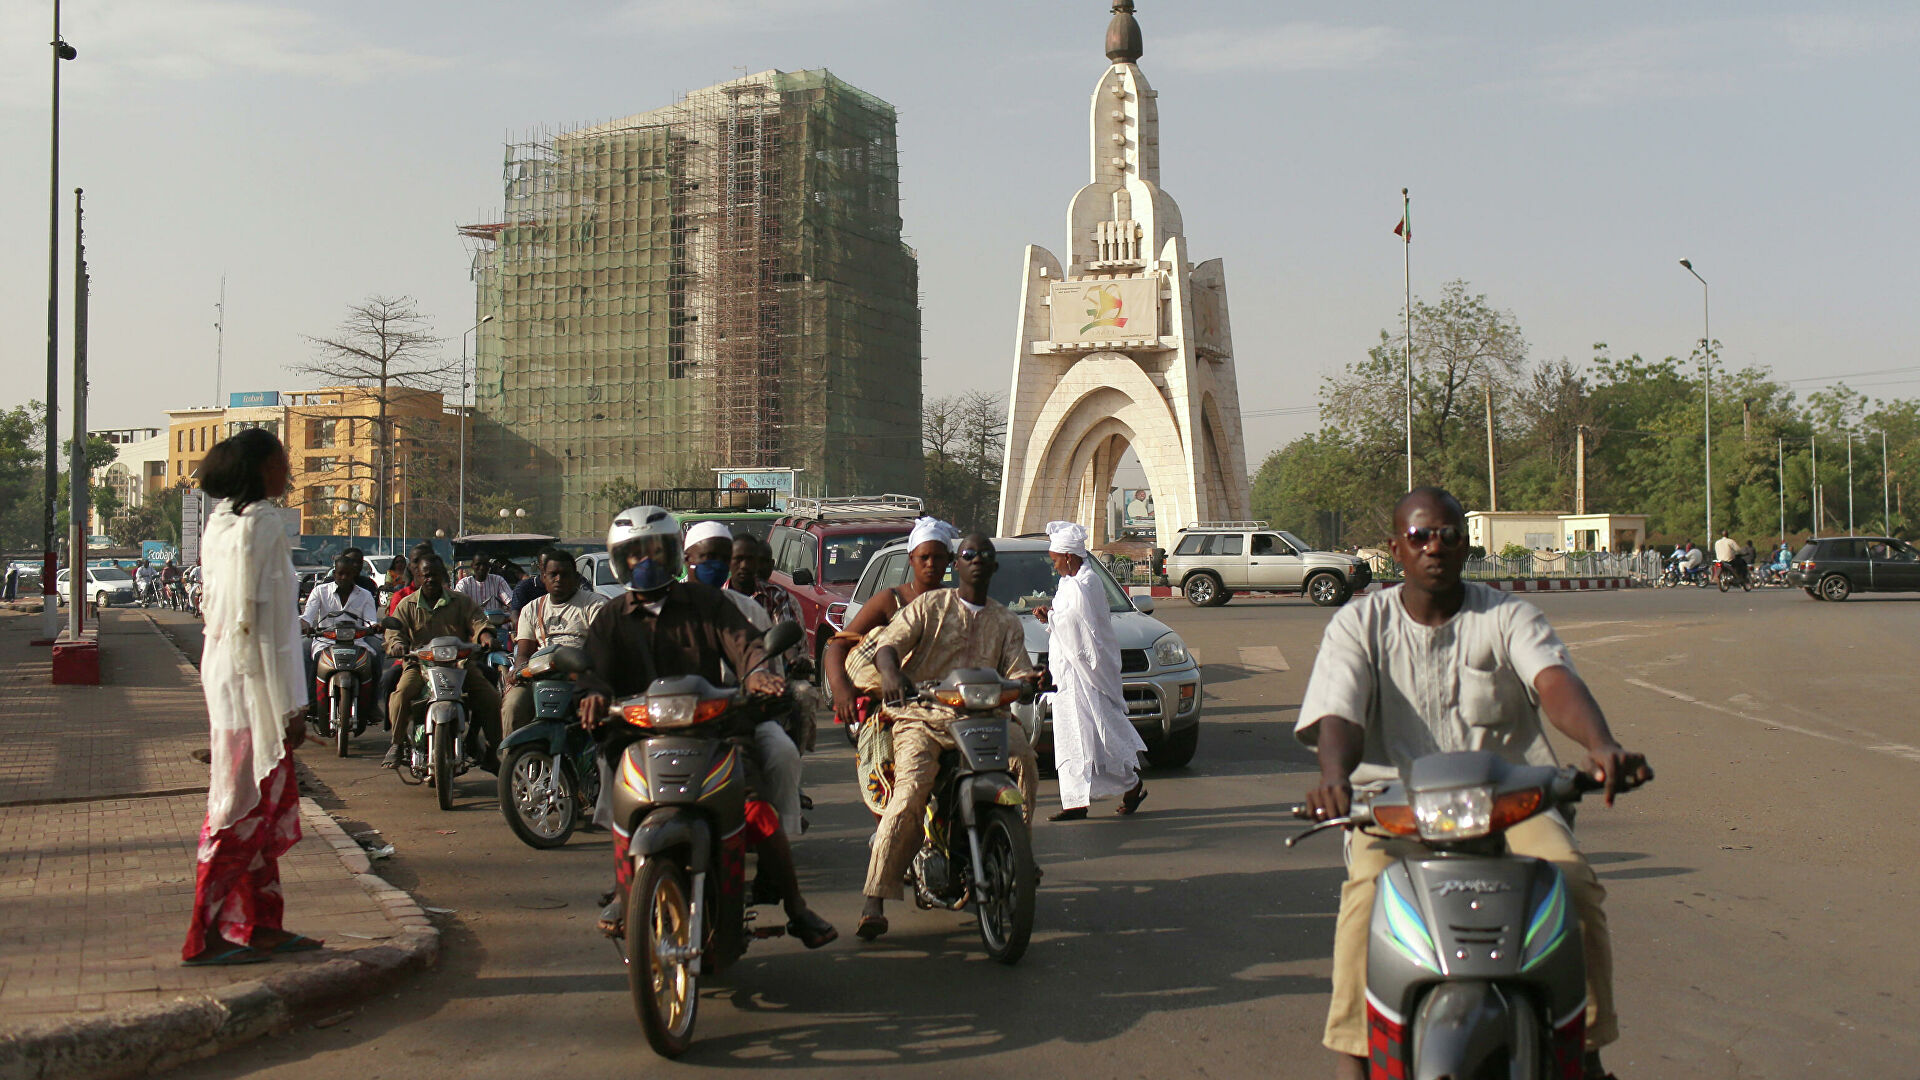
<point x="342" y="596"/>
<point x="437" y="611"/>
<point x="663" y="627"/>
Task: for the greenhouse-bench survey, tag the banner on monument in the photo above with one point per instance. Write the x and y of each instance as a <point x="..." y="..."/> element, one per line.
<point x="1109" y="309"/>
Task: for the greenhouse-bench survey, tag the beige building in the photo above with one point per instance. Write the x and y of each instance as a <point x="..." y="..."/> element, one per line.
<point x="1126" y="346"/>
<point x="1549" y="531"/>
<point x="138" y="468"/>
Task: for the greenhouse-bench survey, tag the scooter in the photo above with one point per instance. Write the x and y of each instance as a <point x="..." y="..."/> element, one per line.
<point x="549" y="774"/>
<point x="680" y="793"/>
<point x="978" y="850"/>
<point x="1733" y="573"/>
<point x="1474" y="958"/>
<point x="436" y="744"/>
<point x="345" y="667"/>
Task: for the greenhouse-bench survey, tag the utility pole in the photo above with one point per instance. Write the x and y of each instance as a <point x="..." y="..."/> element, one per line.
<point x="1493" y="495"/>
<point x="49" y="557"/>
<point x="220" y="341"/>
<point x="1813" y="440"/>
<point x="1849" y="483"/>
<point x="1780" y="469"/>
<point x="1886" y="507"/>
<point x="1706" y="385"/>
<point x="1406" y="266"/>
<point x="79" y="477"/>
<point x="1580" y="469"/>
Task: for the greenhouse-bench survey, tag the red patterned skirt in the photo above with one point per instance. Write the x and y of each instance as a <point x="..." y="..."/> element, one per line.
<point x="237" y="886"/>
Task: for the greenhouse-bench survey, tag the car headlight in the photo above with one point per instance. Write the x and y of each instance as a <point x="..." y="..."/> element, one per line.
<point x="1455" y="814"/>
<point x="1170" y="651"/>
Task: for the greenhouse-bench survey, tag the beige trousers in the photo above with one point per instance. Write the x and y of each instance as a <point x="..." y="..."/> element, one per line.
<point x="916" y="761"/>
<point x="1544" y="837"/>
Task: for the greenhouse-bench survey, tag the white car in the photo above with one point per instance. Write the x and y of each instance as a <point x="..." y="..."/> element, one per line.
<point x="1158" y="676"/>
<point x="107" y="585"/>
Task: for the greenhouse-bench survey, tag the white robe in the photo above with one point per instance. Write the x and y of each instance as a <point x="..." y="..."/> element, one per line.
<point x="1095" y="749"/>
<point x="251" y="667"/>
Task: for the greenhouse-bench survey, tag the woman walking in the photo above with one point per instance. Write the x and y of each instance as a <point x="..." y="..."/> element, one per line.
<point x="255" y="682"/>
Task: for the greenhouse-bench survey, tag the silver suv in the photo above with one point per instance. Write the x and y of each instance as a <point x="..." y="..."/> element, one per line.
<point x="1215" y="559"/>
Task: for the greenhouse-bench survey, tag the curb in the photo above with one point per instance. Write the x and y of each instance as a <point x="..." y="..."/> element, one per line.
<point x="150" y="1038"/>
<point x="1164" y="592"/>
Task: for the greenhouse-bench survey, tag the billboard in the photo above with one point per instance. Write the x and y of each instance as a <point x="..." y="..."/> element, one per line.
<point x="1092" y="310"/>
<point x="253" y="400"/>
<point x="778" y="481"/>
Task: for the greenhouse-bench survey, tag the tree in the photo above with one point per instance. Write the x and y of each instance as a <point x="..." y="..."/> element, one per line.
<point x="963" y="438"/>
<point x="21" y="478"/>
<point x="385" y="344"/>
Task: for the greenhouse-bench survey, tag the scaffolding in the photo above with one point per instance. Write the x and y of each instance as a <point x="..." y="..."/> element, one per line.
<point x="721" y="282"/>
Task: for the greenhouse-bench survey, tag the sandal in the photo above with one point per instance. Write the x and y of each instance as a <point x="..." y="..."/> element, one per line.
<point x="238" y="954"/>
<point x="1131" y="800"/>
<point x="613" y="919"/>
<point x="1077" y="813"/>
<point x="871" y="926"/>
<point x="812" y="930"/>
<point x="296" y="943"/>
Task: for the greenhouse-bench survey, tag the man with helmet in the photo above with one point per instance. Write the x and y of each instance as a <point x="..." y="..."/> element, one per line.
<point x="662" y="627"/>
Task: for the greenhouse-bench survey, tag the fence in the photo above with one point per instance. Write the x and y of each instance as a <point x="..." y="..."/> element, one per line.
<point x="1641" y="567"/>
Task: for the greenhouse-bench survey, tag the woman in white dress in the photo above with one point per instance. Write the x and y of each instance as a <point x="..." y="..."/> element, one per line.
<point x="256" y="688"/>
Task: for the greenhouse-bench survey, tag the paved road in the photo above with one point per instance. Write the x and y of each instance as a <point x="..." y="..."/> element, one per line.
<point x="1759" y="889"/>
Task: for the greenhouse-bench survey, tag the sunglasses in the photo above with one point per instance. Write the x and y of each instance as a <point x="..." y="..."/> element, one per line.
<point x="974" y="555"/>
<point x="1449" y="536"/>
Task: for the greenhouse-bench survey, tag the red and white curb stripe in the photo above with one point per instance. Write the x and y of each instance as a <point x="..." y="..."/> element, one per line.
<point x="1525" y="585"/>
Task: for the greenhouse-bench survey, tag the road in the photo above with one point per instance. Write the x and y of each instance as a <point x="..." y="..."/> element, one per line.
<point x="1759" y="889"/>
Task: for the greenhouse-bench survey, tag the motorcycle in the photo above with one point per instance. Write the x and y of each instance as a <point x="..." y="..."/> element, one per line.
<point x="1733" y="573"/>
<point x="1474" y="959"/>
<point x="549" y="774"/>
<point x="346" y="668"/>
<point x="978" y="848"/>
<point x="681" y="791"/>
<point x="436" y="745"/>
<point x="146" y="592"/>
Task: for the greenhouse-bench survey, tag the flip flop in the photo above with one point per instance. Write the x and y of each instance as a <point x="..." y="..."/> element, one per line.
<point x="1077" y="813"/>
<point x="297" y="943"/>
<point x="239" y="954"/>
<point x="613" y="919"/>
<point x="1131" y="800"/>
<point x="871" y="926"/>
<point x="812" y="931"/>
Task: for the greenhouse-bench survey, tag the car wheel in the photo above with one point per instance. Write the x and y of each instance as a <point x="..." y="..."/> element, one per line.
<point x="1327" y="590"/>
<point x="1176" y="749"/>
<point x="1835" y="588"/>
<point x="100" y="600"/>
<point x="1203" y="590"/>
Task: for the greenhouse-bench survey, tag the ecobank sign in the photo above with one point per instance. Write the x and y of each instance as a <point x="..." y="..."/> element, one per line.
<point x="256" y="400"/>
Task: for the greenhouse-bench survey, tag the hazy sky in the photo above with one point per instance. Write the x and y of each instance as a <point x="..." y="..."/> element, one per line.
<point x="1562" y="158"/>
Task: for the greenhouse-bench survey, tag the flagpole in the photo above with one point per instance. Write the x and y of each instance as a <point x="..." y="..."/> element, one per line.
<point x="1406" y="265"/>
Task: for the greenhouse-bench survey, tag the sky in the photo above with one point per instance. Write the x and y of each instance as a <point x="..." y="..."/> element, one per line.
<point x="1562" y="158"/>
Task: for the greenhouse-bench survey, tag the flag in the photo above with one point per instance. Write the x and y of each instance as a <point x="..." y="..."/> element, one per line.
<point x="1404" y="229"/>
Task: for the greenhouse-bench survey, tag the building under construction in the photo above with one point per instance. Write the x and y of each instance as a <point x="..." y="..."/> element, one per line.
<point x="717" y="284"/>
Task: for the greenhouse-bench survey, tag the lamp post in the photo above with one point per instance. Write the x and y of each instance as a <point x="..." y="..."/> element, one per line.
<point x="460" y="520"/>
<point x="1706" y="385"/>
<point x="49" y="557"/>
<point x="1849" y="483"/>
<point x="1886" y="504"/>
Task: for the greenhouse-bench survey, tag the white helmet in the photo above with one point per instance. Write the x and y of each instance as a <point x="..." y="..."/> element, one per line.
<point x="655" y="533"/>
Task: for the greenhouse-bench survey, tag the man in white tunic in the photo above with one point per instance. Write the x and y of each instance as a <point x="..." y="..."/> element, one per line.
<point x="1095" y="749"/>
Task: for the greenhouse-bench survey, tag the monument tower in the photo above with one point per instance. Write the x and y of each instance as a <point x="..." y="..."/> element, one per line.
<point x="1128" y="346"/>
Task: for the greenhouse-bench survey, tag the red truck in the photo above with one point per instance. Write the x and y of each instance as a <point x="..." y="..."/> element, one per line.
<point x="820" y="548"/>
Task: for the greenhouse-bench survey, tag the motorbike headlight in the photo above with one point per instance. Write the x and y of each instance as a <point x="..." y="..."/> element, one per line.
<point x="1170" y="651"/>
<point x="445" y="654"/>
<point x="1455" y="814"/>
<point x="980" y="695"/>
<point x="674" y="711"/>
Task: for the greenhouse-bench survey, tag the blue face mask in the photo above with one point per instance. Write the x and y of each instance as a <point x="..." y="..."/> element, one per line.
<point x="650" y="574"/>
<point x="712" y="573"/>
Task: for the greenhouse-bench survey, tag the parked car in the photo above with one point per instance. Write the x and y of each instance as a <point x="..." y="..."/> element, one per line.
<point x="1212" y="560"/>
<point x="821" y="548"/>
<point x="106" y="585"/>
<point x="1158" y="676"/>
<point x="1836" y="567"/>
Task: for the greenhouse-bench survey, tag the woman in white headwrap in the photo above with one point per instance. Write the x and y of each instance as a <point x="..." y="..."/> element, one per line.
<point x="929" y="553"/>
<point x="1095" y="749"/>
<point x="255" y="681"/>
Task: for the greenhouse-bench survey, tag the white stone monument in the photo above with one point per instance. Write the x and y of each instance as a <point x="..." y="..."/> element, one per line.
<point x="1128" y="346"/>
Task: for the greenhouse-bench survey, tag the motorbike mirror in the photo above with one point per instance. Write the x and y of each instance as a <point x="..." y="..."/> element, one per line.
<point x="391" y="623"/>
<point x="785" y="635"/>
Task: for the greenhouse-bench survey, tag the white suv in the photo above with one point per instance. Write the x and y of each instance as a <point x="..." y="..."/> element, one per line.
<point x="1215" y="559"/>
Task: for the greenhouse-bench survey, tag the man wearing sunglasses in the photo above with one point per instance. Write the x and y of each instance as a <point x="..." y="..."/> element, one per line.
<point x="941" y="631"/>
<point x="1441" y="664"/>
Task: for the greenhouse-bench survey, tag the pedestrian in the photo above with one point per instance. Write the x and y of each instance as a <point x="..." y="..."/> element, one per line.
<point x="13" y="582"/>
<point x="254" y="680"/>
<point x="1095" y="749"/>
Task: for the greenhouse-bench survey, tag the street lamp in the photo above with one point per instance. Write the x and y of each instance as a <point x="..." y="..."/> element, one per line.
<point x="460" y="524"/>
<point x="1706" y="385"/>
<point x="49" y="558"/>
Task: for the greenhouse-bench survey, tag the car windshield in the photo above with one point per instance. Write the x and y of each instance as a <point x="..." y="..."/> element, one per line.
<point x="111" y="573"/>
<point x="1295" y="542"/>
<point x="845" y="556"/>
<point x="305" y="559"/>
<point x="1026" y="580"/>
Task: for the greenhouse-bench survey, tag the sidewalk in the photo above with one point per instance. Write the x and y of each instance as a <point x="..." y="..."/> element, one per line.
<point x="100" y="811"/>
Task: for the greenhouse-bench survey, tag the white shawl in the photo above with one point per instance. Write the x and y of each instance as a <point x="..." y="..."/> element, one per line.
<point x="251" y="668"/>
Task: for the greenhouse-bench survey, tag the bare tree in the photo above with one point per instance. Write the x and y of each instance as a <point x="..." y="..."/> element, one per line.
<point x="384" y="345"/>
<point x="963" y="439"/>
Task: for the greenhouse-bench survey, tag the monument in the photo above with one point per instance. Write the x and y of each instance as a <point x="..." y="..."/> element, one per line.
<point x="1128" y="346"/>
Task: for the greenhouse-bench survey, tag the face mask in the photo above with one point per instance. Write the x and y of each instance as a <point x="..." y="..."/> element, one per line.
<point x="712" y="573"/>
<point x="650" y="574"/>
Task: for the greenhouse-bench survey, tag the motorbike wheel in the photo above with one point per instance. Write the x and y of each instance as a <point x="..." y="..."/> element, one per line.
<point x="1006" y="906"/>
<point x="446" y="758"/>
<point x="537" y="797"/>
<point x="342" y="721"/>
<point x="660" y="920"/>
<point x="1724" y="585"/>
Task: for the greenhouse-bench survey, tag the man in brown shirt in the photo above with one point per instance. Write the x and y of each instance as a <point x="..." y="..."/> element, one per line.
<point x="431" y="611"/>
